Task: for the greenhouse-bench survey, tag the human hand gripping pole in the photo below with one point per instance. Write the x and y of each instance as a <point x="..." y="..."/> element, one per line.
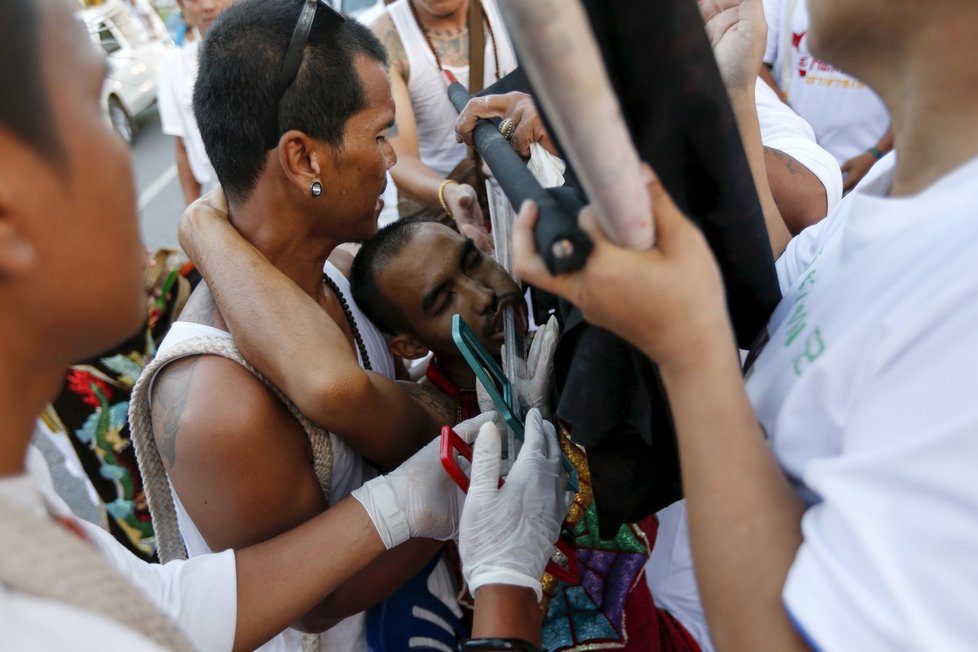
<point x="418" y="499"/>
<point x="507" y="530"/>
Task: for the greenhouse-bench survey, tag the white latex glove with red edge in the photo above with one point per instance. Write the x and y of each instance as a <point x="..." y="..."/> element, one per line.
<point x="418" y="499"/>
<point x="507" y="533"/>
<point x="533" y="382"/>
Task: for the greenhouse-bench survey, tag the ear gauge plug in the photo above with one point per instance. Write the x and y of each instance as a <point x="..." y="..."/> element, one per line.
<point x="316" y="188"/>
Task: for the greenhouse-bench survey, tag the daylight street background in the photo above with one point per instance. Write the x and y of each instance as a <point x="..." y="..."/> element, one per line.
<point x="160" y="199"/>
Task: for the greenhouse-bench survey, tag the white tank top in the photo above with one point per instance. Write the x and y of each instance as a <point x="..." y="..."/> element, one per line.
<point x="433" y="112"/>
<point x="349" y="470"/>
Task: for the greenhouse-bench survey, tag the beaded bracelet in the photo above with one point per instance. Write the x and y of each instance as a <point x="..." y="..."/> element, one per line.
<point x="480" y="644"/>
<point x="441" y="194"/>
<point x="875" y="151"/>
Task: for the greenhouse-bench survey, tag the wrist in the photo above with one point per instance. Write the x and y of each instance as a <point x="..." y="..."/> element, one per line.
<point x="447" y="192"/>
<point x="496" y="577"/>
<point x="705" y="355"/>
<point x="379" y="500"/>
<point x="876" y="152"/>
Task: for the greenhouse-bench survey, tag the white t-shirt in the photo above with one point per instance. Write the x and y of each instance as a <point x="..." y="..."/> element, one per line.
<point x="848" y="117"/>
<point x="669" y="571"/>
<point x="784" y="130"/>
<point x="865" y="392"/>
<point x="200" y="595"/>
<point x="178" y="73"/>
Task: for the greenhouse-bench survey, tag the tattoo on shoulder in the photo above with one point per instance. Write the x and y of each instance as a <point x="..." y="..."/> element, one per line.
<point x="387" y="33"/>
<point x="168" y="404"/>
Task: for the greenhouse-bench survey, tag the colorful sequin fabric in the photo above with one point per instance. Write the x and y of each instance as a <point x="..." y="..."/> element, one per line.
<point x="593" y="615"/>
<point x="92" y="409"/>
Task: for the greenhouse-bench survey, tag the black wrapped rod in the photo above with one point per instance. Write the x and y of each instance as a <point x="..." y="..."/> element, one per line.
<point x="562" y="245"/>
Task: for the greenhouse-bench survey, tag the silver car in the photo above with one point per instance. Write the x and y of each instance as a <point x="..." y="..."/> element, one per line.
<point x="133" y="45"/>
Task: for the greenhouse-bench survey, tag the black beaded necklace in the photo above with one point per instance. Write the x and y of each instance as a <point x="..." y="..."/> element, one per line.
<point x="361" y="347"/>
<point x="431" y="45"/>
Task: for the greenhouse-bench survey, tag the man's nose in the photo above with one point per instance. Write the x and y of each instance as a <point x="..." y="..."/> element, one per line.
<point x="390" y="155"/>
<point x="484" y="300"/>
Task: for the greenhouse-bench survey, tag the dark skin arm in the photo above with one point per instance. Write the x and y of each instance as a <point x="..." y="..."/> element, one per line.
<point x="503" y="611"/>
<point x="242" y="468"/>
<point x="188" y="184"/>
<point x="798" y="193"/>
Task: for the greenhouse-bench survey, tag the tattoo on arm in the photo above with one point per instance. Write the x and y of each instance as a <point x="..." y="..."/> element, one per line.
<point x="387" y="33"/>
<point x="169" y="401"/>
<point x="793" y="167"/>
<point x="438" y="405"/>
<point x="393" y="131"/>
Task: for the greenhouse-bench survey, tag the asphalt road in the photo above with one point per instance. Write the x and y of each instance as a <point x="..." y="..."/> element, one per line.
<point x="160" y="198"/>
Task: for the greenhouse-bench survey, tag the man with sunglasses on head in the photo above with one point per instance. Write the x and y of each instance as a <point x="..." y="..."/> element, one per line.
<point x="66" y="584"/>
<point x="294" y="105"/>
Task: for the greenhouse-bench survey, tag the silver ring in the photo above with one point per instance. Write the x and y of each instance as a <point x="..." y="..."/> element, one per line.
<point x="507" y="127"/>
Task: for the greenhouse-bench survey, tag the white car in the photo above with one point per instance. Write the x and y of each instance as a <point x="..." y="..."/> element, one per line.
<point x="133" y="45"/>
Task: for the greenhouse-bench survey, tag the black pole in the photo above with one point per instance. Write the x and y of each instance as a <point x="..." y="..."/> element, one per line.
<point x="563" y="246"/>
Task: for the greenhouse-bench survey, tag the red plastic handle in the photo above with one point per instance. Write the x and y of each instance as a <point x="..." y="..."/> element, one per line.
<point x="452" y="444"/>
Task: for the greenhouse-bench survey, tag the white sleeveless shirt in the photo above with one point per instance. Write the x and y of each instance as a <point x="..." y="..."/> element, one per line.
<point x="433" y="112"/>
<point x="349" y="469"/>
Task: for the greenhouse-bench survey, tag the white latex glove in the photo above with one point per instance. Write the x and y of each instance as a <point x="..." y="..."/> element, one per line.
<point x="507" y="533"/>
<point x="533" y="380"/>
<point x="418" y="498"/>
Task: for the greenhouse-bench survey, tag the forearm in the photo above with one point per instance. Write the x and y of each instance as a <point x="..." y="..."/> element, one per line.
<point x="745" y="112"/>
<point x="503" y="611"/>
<point x="239" y="278"/>
<point x="765" y="74"/>
<point x="744" y="518"/>
<point x="416" y="180"/>
<point x="279" y="580"/>
<point x="799" y="194"/>
<point x="369" y="411"/>
<point x="188" y="183"/>
<point x="371" y="585"/>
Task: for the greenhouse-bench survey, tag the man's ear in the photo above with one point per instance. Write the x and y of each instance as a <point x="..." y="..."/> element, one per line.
<point x="17" y="253"/>
<point x="305" y="161"/>
<point x="405" y="346"/>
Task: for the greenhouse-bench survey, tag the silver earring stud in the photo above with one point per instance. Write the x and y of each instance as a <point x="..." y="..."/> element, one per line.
<point x="316" y="189"/>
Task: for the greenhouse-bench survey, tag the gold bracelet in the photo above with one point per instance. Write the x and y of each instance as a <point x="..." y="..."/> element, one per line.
<point x="441" y="194"/>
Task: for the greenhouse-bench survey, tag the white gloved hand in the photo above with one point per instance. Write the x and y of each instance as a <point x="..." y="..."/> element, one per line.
<point x="418" y="498"/>
<point x="533" y="380"/>
<point x="507" y="533"/>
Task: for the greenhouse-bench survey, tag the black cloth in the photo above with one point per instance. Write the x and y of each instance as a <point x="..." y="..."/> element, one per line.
<point x="662" y="68"/>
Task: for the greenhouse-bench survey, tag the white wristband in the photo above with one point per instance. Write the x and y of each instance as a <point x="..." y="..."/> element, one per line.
<point x="378" y="498"/>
